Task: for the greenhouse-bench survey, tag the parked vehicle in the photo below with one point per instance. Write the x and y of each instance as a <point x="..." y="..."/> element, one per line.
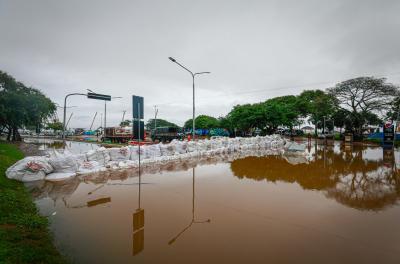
<point x="166" y="134"/>
<point x="119" y="134"/>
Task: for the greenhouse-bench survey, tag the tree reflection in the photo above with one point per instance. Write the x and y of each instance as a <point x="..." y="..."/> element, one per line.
<point x="345" y="175"/>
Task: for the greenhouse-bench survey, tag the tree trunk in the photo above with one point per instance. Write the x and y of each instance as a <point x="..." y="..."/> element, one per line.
<point x="16" y="136"/>
<point x="9" y="134"/>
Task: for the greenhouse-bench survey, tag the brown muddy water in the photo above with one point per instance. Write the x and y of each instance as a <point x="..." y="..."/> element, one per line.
<point x="340" y="206"/>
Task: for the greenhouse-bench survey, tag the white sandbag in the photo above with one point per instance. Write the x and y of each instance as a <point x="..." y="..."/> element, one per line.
<point x="153" y="151"/>
<point x="60" y="176"/>
<point x="119" y="154"/>
<point x="89" y="167"/>
<point x="180" y="147"/>
<point x="64" y="163"/>
<point x="100" y="155"/>
<point x="32" y="168"/>
<point x="134" y="150"/>
<point x="167" y="149"/>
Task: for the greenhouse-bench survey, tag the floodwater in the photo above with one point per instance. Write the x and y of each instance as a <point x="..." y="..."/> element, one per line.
<point x="340" y="206"/>
<point x="48" y="144"/>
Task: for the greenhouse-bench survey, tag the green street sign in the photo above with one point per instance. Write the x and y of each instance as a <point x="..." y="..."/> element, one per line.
<point x="99" y="96"/>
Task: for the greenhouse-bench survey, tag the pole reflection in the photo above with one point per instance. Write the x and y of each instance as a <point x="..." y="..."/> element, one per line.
<point x="193" y="220"/>
<point x="138" y="223"/>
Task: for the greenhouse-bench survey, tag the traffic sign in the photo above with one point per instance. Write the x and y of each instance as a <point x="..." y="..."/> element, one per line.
<point x="388" y="134"/>
<point x="137" y="107"/>
<point x="136" y="132"/>
<point x="99" y="96"/>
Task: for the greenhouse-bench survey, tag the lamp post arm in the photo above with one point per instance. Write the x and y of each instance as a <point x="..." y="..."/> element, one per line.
<point x="185" y="68"/>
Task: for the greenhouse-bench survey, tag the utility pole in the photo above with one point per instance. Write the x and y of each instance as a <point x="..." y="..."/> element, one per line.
<point x="91" y="125"/>
<point x="66" y="126"/>
<point x="155" y="118"/>
<point x="123" y="116"/>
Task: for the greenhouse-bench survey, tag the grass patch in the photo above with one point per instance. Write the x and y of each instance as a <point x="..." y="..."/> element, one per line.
<point x="24" y="234"/>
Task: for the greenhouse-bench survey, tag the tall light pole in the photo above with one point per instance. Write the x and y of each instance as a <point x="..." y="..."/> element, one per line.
<point x="193" y="75"/>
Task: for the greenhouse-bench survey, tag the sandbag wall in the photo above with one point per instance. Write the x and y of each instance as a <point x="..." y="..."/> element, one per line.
<point x="60" y="166"/>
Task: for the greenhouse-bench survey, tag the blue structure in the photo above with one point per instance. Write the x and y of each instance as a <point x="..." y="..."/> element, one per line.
<point x="379" y="135"/>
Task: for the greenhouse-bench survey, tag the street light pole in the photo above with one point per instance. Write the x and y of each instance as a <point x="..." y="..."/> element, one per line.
<point x="105" y="119"/>
<point x="194" y="107"/>
<point x="65" y="111"/>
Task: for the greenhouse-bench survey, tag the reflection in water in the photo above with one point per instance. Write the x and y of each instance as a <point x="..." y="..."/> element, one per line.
<point x="138" y="223"/>
<point x="193" y="221"/>
<point x="46" y="145"/>
<point x="252" y="220"/>
<point x="348" y="177"/>
<point x="98" y="201"/>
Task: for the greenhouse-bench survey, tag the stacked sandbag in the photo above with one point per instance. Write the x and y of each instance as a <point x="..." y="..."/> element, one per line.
<point x="119" y="154"/>
<point x="65" y="165"/>
<point x="100" y="155"/>
<point x="180" y="146"/>
<point x="134" y="150"/>
<point x="167" y="149"/>
<point x="90" y="167"/>
<point x="152" y="151"/>
<point x="32" y="168"/>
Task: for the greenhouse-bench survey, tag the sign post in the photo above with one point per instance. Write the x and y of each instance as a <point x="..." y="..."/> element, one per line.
<point x="388" y="135"/>
<point x="138" y="134"/>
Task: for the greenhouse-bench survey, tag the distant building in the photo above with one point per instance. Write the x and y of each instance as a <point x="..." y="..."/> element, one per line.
<point x="307" y="129"/>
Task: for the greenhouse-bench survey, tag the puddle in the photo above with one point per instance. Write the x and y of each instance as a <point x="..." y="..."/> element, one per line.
<point x="341" y="206"/>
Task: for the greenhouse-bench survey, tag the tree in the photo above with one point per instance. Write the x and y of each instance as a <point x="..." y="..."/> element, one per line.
<point x="55" y="125"/>
<point x="21" y="106"/>
<point x="160" y="123"/>
<point x="285" y="110"/>
<point x="125" y="123"/>
<point x="240" y="117"/>
<point x="317" y="105"/>
<point x="203" y="122"/>
<point x="363" y="96"/>
<point x="394" y="111"/>
<point x="339" y="118"/>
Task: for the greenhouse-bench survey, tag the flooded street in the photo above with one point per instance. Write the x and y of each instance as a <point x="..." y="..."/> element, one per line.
<point x="339" y="206"/>
<point x="47" y="144"/>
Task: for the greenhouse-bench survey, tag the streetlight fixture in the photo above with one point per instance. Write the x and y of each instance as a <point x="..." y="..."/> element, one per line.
<point x="193" y="75"/>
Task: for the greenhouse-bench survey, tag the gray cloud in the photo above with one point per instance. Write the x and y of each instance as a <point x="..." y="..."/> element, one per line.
<point x="254" y="49"/>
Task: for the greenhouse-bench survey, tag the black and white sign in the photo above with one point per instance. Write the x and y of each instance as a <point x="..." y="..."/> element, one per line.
<point x="388" y="134"/>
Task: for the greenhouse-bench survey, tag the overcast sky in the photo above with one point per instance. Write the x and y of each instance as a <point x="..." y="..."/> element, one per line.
<point x="255" y="50"/>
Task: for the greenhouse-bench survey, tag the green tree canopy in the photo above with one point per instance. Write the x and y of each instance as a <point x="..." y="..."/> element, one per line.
<point x="364" y="97"/>
<point x="317" y="105"/>
<point x="160" y="123"/>
<point x="21" y="106"/>
<point x="125" y="123"/>
<point x="203" y="122"/>
<point x="55" y="125"/>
